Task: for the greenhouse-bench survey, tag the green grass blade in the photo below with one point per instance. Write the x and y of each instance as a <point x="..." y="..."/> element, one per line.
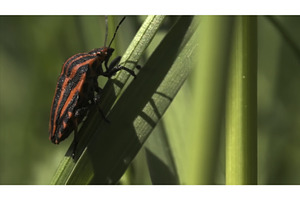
<point x="140" y="107"/>
<point x="207" y="106"/>
<point x="160" y="160"/>
<point x="241" y="112"/>
<point x="134" y="52"/>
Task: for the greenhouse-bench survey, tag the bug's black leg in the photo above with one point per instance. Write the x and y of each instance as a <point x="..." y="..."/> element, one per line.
<point x="79" y="113"/>
<point x="96" y="100"/>
<point x="131" y="72"/>
<point x="75" y="139"/>
<point x="113" y="63"/>
<point x="139" y="67"/>
<point x="114" y="68"/>
<point x="97" y="88"/>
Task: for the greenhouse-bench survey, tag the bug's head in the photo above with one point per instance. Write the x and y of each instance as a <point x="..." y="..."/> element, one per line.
<point x="109" y="51"/>
<point x="102" y="53"/>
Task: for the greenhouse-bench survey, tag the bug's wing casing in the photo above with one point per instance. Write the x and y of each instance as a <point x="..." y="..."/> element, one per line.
<point x="67" y="95"/>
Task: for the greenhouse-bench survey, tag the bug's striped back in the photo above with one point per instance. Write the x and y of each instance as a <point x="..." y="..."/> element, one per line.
<point x="69" y="94"/>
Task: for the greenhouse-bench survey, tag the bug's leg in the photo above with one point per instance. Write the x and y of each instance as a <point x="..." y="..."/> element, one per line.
<point x="75" y="138"/>
<point x="117" y="68"/>
<point x="97" y="88"/>
<point x="113" y="63"/>
<point x="79" y="113"/>
<point x="139" y="67"/>
<point x="97" y="99"/>
<point x="131" y="72"/>
<point x="114" y="67"/>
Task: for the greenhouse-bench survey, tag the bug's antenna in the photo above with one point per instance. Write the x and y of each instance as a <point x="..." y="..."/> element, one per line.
<point x="116" y="31"/>
<point x="106" y="30"/>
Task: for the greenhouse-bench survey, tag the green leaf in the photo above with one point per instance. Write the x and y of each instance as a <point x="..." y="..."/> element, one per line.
<point x="207" y="104"/>
<point x="241" y="109"/>
<point x="160" y="160"/>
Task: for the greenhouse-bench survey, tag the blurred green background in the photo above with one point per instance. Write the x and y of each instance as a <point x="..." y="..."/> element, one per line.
<point x="33" y="49"/>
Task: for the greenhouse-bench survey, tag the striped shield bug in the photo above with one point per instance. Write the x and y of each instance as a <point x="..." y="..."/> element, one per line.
<point x="76" y="88"/>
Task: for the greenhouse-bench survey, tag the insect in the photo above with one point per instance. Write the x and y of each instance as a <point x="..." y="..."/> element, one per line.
<point x="76" y="88"/>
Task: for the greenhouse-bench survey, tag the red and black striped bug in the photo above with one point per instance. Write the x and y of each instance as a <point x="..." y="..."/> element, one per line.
<point x="76" y="88"/>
